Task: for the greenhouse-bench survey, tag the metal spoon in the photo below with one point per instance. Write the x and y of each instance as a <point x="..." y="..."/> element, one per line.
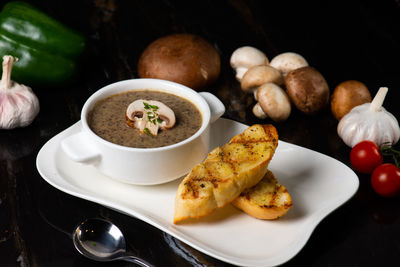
<point x="100" y="240"/>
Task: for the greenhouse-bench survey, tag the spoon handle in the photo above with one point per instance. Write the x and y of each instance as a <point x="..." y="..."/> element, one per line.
<point x="137" y="260"/>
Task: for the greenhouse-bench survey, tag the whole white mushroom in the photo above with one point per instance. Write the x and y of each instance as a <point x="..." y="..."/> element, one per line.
<point x="259" y="75"/>
<point x="287" y="62"/>
<point x="273" y="101"/>
<point x="246" y="57"/>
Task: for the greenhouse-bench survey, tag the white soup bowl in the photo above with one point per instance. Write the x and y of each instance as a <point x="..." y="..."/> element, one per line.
<point x="144" y="166"/>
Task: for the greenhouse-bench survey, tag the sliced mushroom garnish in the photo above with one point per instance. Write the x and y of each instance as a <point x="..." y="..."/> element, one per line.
<point x="149" y="115"/>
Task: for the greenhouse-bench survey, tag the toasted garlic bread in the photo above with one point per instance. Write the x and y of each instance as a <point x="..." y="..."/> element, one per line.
<point x="226" y="172"/>
<point x="266" y="200"/>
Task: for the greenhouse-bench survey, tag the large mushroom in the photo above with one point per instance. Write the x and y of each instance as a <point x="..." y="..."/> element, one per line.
<point x="183" y="58"/>
<point x="150" y="115"/>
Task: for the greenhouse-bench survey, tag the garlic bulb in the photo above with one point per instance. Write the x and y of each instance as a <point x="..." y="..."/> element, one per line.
<point x="18" y="104"/>
<point x="370" y="121"/>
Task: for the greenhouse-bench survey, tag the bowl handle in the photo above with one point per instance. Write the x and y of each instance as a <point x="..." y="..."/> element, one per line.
<point x="217" y="108"/>
<point x="79" y="148"/>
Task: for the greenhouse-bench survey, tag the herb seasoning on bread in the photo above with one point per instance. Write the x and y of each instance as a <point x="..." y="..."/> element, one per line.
<point x="226" y="172"/>
<point x="267" y="200"/>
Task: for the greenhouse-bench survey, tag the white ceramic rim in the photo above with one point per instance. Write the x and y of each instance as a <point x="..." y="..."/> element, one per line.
<point x="153" y="85"/>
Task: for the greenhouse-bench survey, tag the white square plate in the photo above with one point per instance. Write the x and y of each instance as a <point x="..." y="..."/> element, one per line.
<point x="318" y="184"/>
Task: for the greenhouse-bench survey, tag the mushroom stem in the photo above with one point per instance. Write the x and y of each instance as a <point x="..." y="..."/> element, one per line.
<point x="377" y="102"/>
<point x="259" y="112"/>
<point x="5" y="82"/>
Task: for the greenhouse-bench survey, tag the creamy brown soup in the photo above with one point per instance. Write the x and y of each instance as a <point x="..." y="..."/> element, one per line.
<point x="107" y="119"/>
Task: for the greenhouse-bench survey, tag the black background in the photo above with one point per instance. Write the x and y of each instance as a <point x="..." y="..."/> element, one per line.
<point x="352" y="40"/>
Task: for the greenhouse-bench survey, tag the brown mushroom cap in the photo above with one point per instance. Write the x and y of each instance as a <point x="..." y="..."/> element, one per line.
<point x="347" y="95"/>
<point x="307" y="89"/>
<point x="183" y="58"/>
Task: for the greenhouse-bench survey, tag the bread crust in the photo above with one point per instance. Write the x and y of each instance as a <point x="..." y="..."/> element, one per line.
<point x="268" y="200"/>
<point x="226" y="172"/>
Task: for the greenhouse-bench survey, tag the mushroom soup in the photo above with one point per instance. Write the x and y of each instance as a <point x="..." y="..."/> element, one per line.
<point x="108" y="119"/>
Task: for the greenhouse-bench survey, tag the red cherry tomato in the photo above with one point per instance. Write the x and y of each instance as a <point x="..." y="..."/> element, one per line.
<point x="385" y="180"/>
<point x="365" y="157"/>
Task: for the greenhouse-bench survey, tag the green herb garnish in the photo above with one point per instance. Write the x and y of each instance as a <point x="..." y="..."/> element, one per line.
<point x="147" y="131"/>
<point x="151" y="112"/>
<point x="148" y="106"/>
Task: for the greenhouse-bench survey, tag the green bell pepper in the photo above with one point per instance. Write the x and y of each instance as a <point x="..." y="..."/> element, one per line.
<point x="48" y="51"/>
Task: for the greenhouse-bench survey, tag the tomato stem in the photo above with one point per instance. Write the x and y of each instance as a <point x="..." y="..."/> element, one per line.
<point x="388" y="150"/>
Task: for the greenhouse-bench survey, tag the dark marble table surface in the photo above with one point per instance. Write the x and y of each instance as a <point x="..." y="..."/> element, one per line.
<point x="353" y="40"/>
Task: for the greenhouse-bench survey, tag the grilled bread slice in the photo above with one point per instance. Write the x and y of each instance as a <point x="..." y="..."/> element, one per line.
<point x="266" y="200"/>
<point x="226" y="172"/>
